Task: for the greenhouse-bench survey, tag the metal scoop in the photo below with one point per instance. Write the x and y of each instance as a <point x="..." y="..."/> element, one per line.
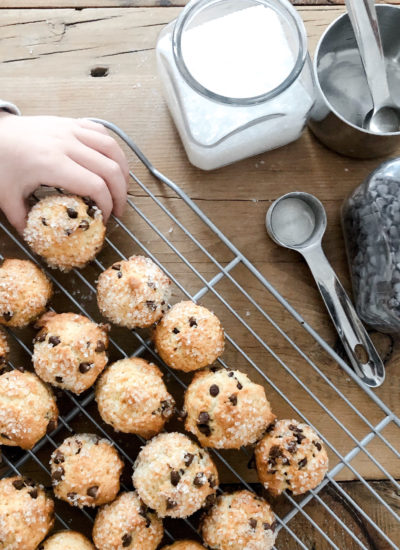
<point x="298" y="221"/>
<point x="384" y="116"/>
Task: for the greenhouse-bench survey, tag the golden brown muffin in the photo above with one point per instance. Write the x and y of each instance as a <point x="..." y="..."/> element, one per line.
<point x="27" y="409"/>
<point x="189" y="337"/>
<point x="127" y="523"/>
<point x="239" y="521"/>
<point x="174" y="476"/>
<point x="85" y="471"/>
<point x="70" y="350"/>
<point x="26" y="514"/>
<point x="24" y="292"/>
<point x="184" y="545"/>
<point x="4" y="349"/>
<point x="291" y="456"/>
<point x="66" y="540"/>
<point x="225" y="409"/>
<point x="132" y="397"/>
<point x="66" y="230"/>
<point x="133" y="293"/>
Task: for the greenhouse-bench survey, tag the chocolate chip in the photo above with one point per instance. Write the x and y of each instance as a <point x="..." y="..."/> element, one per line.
<point x="7" y="315"/>
<point x="210" y="500"/>
<point x="175" y="478"/>
<point x="275" y="452"/>
<point x="199" y="479"/>
<point x="299" y="437"/>
<point x="91" y="211"/>
<point x="58" y="474"/>
<point x="58" y="457"/>
<point x="302" y="463"/>
<point x="151" y="305"/>
<point x="204" y="417"/>
<point x="51" y="426"/>
<point x="68" y="232"/>
<point x="188" y="459"/>
<point x="88" y="201"/>
<point x="176" y="330"/>
<point x="44" y="222"/>
<point x="239" y="386"/>
<point x="166" y="409"/>
<point x="33" y="493"/>
<point x="192" y="322"/>
<point x="29" y="482"/>
<point x="171" y="504"/>
<point x="54" y="341"/>
<point x="100" y="346"/>
<point x="150" y="284"/>
<point x="85" y="367"/>
<point x="318" y="445"/>
<point x="126" y="540"/>
<point x="5" y="436"/>
<point x="18" y="484"/>
<point x="292" y="446"/>
<point x="271" y="427"/>
<point x="230" y="374"/>
<point x="294" y="428"/>
<point x="84" y="225"/>
<point x="233" y="399"/>
<point x="72" y="213"/>
<point x="92" y="491"/>
<point x="41" y="337"/>
<point x="21" y="369"/>
<point x="212" y="481"/>
<point x="204" y="429"/>
<point x="214" y="390"/>
<point x="267" y="526"/>
<point x="285" y="461"/>
<point x="253" y="523"/>
<point x="117" y="267"/>
<point x="59" y="379"/>
<point x="71" y="496"/>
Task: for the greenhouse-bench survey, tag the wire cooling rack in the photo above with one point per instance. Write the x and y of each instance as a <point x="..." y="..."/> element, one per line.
<point x="217" y="274"/>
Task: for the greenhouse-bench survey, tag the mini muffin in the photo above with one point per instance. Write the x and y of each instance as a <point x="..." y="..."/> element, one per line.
<point x="184" y="545"/>
<point x="27" y="409"/>
<point x="66" y="230"/>
<point x="239" y="521"/>
<point x="26" y="514"/>
<point x="291" y="456"/>
<point x="85" y="471"/>
<point x="174" y="476"/>
<point x="133" y="293"/>
<point x="127" y="523"/>
<point x="189" y="337"/>
<point x="70" y="350"/>
<point x="66" y="540"/>
<point x="225" y="409"/>
<point x="24" y="292"/>
<point x="4" y="349"/>
<point x="132" y="397"/>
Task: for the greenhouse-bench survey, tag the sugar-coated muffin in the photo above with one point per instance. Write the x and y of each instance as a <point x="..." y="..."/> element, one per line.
<point x="189" y="337"/>
<point x="85" y="470"/>
<point x="24" y="292"/>
<point x="133" y="293"/>
<point x="184" y="545"/>
<point x="239" y="521"/>
<point x="174" y="476"/>
<point x="132" y="397"/>
<point x="66" y="540"/>
<point x="127" y="523"/>
<point x="26" y="514"/>
<point x="4" y="349"/>
<point x="66" y="230"/>
<point x="27" y="409"/>
<point x="70" y="350"/>
<point x="291" y="456"/>
<point x="225" y="409"/>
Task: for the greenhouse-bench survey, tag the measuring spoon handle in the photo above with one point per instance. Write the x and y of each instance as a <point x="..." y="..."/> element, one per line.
<point x="363" y="356"/>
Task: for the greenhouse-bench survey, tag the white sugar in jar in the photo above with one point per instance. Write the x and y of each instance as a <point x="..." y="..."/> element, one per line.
<point x="236" y="77"/>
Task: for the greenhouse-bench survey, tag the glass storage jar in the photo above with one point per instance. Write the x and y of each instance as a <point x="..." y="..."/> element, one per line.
<point x="371" y="226"/>
<point x="236" y="77"/>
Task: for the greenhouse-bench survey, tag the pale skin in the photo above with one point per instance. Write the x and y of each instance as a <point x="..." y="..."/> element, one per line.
<point x="77" y="155"/>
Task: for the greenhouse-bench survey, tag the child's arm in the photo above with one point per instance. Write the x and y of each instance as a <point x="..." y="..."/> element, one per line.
<point x="77" y="155"/>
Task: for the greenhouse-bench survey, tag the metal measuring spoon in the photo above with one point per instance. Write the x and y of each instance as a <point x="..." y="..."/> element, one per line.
<point x="384" y="116"/>
<point x="298" y="221"/>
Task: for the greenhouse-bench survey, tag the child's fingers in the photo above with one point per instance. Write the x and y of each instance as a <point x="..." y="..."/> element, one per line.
<point x="90" y="125"/>
<point x="78" y="180"/>
<point x="106" y="168"/>
<point x="16" y="211"/>
<point x="106" y="145"/>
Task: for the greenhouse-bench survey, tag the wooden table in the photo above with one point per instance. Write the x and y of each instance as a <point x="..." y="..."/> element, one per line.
<point x="96" y="58"/>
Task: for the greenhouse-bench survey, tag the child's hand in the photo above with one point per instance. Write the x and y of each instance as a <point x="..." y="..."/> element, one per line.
<point x="77" y="155"/>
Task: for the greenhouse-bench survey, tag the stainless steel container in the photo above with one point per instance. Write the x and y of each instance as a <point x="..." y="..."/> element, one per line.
<point x="343" y="97"/>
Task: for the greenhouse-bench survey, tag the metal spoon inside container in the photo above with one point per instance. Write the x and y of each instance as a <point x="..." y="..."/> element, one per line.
<point x="298" y="221"/>
<point x="384" y="117"/>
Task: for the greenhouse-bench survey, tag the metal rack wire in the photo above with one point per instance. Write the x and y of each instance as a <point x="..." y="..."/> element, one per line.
<point x="226" y="272"/>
